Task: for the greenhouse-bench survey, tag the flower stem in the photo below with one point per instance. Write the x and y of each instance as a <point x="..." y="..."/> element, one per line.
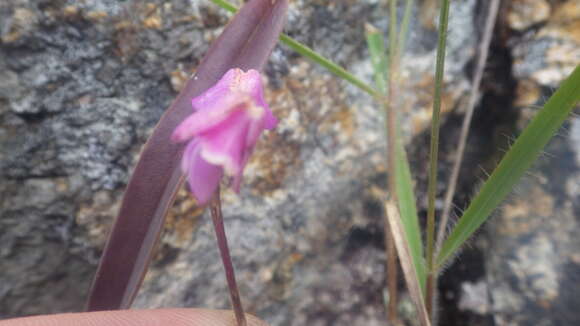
<point x="218" y="223"/>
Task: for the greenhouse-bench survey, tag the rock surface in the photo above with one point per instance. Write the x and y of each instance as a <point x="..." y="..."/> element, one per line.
<point x="532" y="262"/>
<point x="83" y="83"/>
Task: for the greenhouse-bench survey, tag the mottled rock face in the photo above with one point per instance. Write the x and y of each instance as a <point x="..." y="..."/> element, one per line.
<point x="532" y="263"/>
<point x="83" y="84"/>
<point x="81" y="88"/>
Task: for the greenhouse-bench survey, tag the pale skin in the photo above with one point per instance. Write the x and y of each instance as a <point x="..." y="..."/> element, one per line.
<point x="161" y="317"/>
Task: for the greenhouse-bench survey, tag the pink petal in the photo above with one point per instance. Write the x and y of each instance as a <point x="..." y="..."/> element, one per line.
<point x="255" y="129"/>
<point x="210" y="117"/>
<point x="203" y="177"/>
<point x="253" y="84"/>
<point x="271" y="121"/>
<point x="221" y="88"/>
<point x="225" y="144"/>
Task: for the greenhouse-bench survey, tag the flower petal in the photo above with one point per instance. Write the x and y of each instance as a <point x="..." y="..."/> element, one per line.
<point x="271" y="121"/>
<point x="214" y="93"/>
<point x="225" y="144"/>
<point x="253" y="85"/>
<point x="203" y="177"/>
<point x="209" y="117"/>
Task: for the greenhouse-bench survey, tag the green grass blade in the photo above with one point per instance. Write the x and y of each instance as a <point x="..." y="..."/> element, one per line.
<point x="393" y="42"/>
<point x="404" y="183"/>
<point x="311" y="54"/>
<point x="326" y="63"/>
<point x="398" y="234"/>
<point x="518" y="159"/>
<point x="408" y="209"/>
<point x="376" y="46"/>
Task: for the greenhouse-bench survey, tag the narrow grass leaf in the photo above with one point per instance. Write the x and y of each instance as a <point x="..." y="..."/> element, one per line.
<point x="401" y="242"/>
<point x="312" y="55"/>
<point x="408" y="209"/>
<point x="377" y="51"/>
<point x="157" y="176"/>
<point x="473" y="96"/>
<point x="404" y="32"/>
<point x="404" y="182"/>
<point x="516" y="161"/>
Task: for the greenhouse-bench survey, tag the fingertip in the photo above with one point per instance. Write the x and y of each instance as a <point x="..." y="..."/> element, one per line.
<point x="173" y="317"/>
<point x="255" y="321"/>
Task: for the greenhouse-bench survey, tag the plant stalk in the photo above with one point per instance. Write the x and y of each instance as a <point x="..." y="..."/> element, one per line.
<point x="218" y="223"/>
<point x="473" y="96"/>
<point x="391" y="161"/>
<point x="432" y="188"/>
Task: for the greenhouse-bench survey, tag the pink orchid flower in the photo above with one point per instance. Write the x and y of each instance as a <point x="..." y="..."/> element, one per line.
<point x="226" y="123"/>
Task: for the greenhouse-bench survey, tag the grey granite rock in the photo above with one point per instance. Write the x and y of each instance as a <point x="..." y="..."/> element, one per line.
<point x="532" y="263"/>
<point x="82" y="85"/>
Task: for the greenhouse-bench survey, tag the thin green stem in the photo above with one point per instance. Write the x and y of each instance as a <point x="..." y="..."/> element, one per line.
<point x="225" y="5"/>
<point x="391" y="161"/>
<point x="475" y="84"/>
<point x="326" y="63"/>
<point x="312" y="55"/>
<point x="432" y="188"/>
<point x="393" y="41"/>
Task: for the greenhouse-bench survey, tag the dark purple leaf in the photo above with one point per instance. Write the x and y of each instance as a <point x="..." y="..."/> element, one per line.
<point x="245" y="43"/>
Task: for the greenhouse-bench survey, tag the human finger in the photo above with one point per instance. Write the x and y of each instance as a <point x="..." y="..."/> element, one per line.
<point x="160" y="317"/>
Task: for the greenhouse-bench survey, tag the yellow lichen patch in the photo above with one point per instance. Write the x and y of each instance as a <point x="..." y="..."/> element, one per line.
<point x="96" y="16"/>
<point x="283" y="275"/>
<point x="62" y="185"/>
<point x="271" y="163"/>
<point x="527" y="93"/>
<point x="182" y="218"/>
<point x="569" y="31"/>
<point x="428" y="13"/>
<point x="178" y="78"/>
<point x="123" y="24"/>
<point x="151" y="16"/>
<point x="96" y="216"/>
<point x="564" y="23"/>
<point x="565" y="54"/>
<point x="566" y="12"/>
<point x="517" y="213"/>
<point x="425" y="89"/>
<point x="153" y="22"/>
<point x="342" y="121"/>
<point x="22" y="21"/>
<point x="525" y="13"/>
<point x="70" y="11"/>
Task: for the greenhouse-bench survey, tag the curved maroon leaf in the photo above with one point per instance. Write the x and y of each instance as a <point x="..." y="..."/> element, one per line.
<point x="245" y="43"/>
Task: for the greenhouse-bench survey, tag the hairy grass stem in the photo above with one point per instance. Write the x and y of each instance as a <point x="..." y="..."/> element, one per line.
<point x="434" y="147"/>
<point x="473" y="96"/>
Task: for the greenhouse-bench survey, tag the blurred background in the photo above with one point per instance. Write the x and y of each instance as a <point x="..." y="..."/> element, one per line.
<point x="82" y="84"/>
